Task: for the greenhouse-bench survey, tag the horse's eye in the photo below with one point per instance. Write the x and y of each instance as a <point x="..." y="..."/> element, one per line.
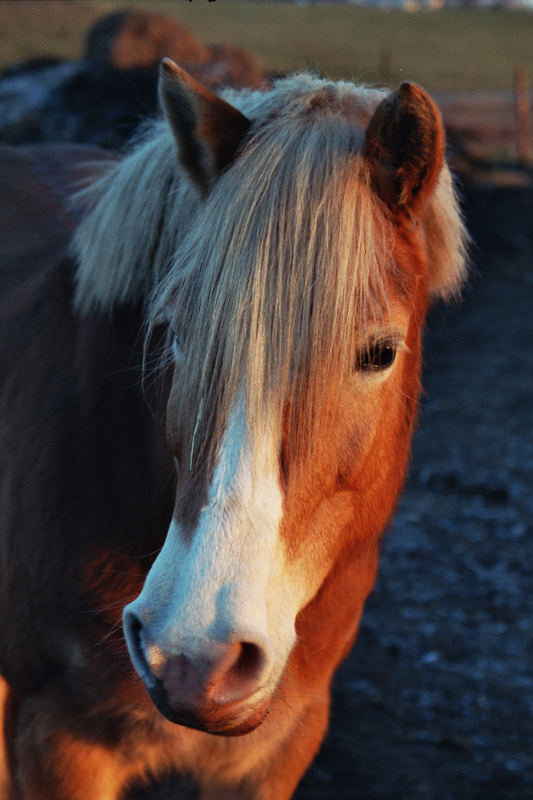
<point x="377" y="356"/>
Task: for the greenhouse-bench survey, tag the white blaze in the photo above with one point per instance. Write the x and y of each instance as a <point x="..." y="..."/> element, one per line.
<point x="229" y="580"/>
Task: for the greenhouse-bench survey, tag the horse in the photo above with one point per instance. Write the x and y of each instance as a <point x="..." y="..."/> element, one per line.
<point x="210" y="362"/>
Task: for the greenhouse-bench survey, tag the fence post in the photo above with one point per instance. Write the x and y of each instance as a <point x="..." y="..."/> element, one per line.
<point x="522" y="117"/>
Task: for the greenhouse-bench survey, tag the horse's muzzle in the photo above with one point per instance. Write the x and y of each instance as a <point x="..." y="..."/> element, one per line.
<point x="219" y="692"/>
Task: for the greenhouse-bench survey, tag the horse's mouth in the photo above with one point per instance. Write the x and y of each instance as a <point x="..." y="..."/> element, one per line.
<point x="231" y="719"/>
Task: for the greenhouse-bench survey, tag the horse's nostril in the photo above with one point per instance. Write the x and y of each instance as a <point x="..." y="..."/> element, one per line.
<point x="133" y="624"/>
<point x="240" y="673"/>
<point x="249" y="662"/>
<point x="132" y="632"/>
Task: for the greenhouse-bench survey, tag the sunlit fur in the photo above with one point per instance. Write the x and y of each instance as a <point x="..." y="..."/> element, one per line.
<point x="287" y="261"/>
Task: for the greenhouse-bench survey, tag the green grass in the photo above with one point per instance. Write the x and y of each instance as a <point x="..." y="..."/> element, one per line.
<point x="445" y="50"/>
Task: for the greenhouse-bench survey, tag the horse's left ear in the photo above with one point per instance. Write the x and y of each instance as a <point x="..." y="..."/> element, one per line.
<point x="405" y="148"/>
<point x="208" y="130"/>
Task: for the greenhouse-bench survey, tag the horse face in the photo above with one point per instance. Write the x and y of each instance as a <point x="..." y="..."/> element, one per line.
<point x="213" y="629"/>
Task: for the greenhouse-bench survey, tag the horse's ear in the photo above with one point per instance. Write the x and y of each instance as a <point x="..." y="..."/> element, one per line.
<point x="405" y="148"/>
<point x="208" y="130"/>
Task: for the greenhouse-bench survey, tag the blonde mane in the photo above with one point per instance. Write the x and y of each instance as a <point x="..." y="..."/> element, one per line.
<point x="281" y="266"/>
<point x="136" y="214"/>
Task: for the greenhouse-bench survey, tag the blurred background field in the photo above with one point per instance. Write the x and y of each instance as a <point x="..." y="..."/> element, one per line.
<point x="446" y="50"/>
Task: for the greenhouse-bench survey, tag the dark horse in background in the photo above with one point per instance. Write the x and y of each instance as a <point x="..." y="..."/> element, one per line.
<point x="176" y="596"/>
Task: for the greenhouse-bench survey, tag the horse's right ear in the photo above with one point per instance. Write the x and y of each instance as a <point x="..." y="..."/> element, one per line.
<point x="405" y="148"/>
<point x="208" y="130"/>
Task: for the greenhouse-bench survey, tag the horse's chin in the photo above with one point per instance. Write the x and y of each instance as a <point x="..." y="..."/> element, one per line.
<point x="232" y="719"/>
